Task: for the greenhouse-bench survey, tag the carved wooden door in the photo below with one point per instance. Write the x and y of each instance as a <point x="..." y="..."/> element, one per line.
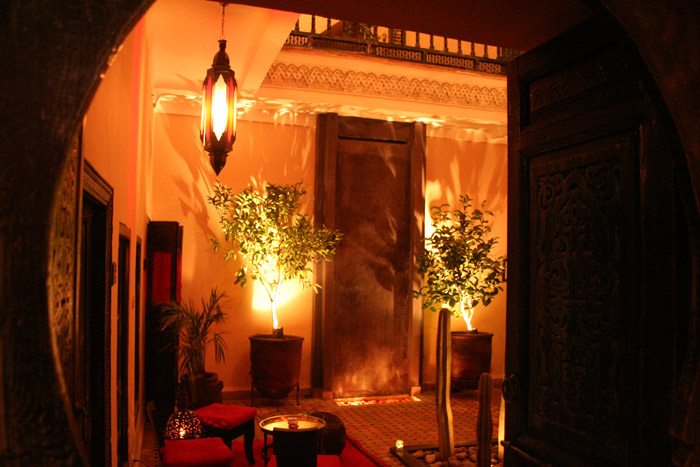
<point x="591" y="208"/>
<point x="366" y="324"/>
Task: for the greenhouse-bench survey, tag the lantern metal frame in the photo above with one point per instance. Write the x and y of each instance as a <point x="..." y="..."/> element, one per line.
<point x="218" y="146"/>
<point x="184" y="424"/>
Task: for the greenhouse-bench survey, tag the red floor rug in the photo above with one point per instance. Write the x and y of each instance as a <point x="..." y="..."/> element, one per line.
<point x="354" y="455"/>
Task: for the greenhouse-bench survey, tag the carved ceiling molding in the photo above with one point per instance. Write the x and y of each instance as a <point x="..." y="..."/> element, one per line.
<point x="391" y="86"/>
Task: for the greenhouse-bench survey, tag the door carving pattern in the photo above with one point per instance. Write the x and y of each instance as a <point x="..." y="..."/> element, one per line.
<point x="576" y="263"/>
<point x="572" y="81"/>
<point x="62" y="283"/>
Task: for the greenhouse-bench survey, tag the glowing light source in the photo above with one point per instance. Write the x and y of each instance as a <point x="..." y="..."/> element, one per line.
<point x="219" y="99"/>
<point x="183" y="424"/>
<point x="355" y="401"/>
<point x="399" y="444"/>
<point x="287" y="293"/>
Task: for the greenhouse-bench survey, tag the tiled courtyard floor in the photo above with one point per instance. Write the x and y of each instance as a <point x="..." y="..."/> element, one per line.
<point x="378" y="426"/>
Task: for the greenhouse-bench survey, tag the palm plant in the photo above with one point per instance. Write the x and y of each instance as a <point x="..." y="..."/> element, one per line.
<point x="457" y="264"/>
<point x="194" y="333"/>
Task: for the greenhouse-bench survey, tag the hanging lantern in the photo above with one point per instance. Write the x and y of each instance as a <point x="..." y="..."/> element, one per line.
<point x="219" y="97"/>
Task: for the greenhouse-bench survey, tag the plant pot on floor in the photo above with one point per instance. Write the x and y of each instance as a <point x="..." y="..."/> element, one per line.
<point x="471" y="356"/>
<point x="204" y="390"/>
<point x="275" y="364"/>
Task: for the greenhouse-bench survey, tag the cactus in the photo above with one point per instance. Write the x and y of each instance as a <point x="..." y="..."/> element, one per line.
<point x="442" y="394"/>
<point x="484" y="422"/>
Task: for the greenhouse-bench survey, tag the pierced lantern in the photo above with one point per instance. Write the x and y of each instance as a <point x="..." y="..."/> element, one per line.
<point x="219" y="97"/>
<point x="183" y="424"/>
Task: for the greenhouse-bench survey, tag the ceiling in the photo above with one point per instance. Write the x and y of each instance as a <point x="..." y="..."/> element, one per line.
<point x="182" y="35"/>
<point x="182" y="39"/>
<point x="516" y="24"/>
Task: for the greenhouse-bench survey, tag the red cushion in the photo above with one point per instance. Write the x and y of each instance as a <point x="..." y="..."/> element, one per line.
<point x="321" y="461"/>
<point x="225" y="416"/>
<point x="203" y="452"/>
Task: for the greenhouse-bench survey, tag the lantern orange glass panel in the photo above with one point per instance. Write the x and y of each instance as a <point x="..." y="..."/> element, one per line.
<point x="219" y="97"/>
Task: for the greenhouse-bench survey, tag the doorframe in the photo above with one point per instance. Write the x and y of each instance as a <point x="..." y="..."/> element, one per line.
<point x="123" y="341"/>
<point x="138" y="329"/>
<point x="92" y="184"/>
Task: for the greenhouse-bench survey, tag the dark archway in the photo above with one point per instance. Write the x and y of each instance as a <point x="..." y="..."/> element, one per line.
<point x="52" y="54"/>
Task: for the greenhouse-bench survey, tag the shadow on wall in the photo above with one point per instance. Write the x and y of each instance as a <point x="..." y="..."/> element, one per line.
<point x="182" y="171"/>
<point x="369" y="218"/>
<point x="455" y="167"/>
<point x="477" y="169"/>
<point x="263" y="153"/>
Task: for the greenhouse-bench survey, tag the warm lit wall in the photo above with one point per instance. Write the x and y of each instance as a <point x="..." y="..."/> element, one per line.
<point x="478" y="169"/>
<point x="117" y="142"/>
<point x="263" y="153"/>
<point x="173" y="184"/>
<point x="284" y="153"/>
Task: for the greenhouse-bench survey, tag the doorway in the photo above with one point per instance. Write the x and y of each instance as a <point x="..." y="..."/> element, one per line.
<point x="137" y="326"/>
<point x="123" y="345"/>
<point x="93" y="66"/>
<point x="369" y="185"/>
<point x="92" y="393"/>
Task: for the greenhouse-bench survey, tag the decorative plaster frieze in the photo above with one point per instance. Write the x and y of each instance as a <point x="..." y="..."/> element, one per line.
<point x="391" y="86"/>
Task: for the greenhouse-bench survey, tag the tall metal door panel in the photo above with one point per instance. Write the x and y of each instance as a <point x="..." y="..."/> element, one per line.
<point x="369" y="186"/>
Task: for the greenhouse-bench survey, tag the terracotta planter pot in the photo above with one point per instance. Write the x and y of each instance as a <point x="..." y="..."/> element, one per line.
<point x="471" y="356"/>
<point x="275" y="364"/>
<point x="205" y="390"/>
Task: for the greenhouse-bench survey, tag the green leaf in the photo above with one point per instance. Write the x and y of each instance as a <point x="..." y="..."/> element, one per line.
<point x="456" y="260"/>
<point x="192" y="328"/>
<point x="276" y="242"/>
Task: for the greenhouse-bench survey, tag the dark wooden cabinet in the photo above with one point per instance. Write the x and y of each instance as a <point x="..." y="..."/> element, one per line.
<point x="164" y="260"/>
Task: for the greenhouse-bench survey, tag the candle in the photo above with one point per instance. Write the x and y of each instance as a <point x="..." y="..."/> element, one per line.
<point x="399" y="444"/>
<point x="182" y="433"/>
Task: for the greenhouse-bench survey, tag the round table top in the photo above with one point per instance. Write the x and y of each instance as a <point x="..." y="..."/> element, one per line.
<point x="287" y="422"/>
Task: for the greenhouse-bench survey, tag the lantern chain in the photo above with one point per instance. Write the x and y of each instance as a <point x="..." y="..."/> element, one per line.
<point x="223" y="16"/>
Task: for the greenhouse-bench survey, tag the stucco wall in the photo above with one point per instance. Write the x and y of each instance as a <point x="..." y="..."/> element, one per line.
<point x="41" y="116"/>
<point x="478" y="169"/>
<point x="276" y="153"/>
<point x="263" y="153"/>
<point x="159" y="171"/>
<point x="117" y="143"/>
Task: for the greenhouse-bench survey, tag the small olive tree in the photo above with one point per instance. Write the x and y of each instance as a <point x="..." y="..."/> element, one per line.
<point x="457" y="264"/>
<point x="277" y="243"/>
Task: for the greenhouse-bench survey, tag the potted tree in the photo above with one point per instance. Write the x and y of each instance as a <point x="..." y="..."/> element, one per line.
<point x="461" y="272"/>
<point x="278" y="244"/>
<point x="193" y="329"/>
